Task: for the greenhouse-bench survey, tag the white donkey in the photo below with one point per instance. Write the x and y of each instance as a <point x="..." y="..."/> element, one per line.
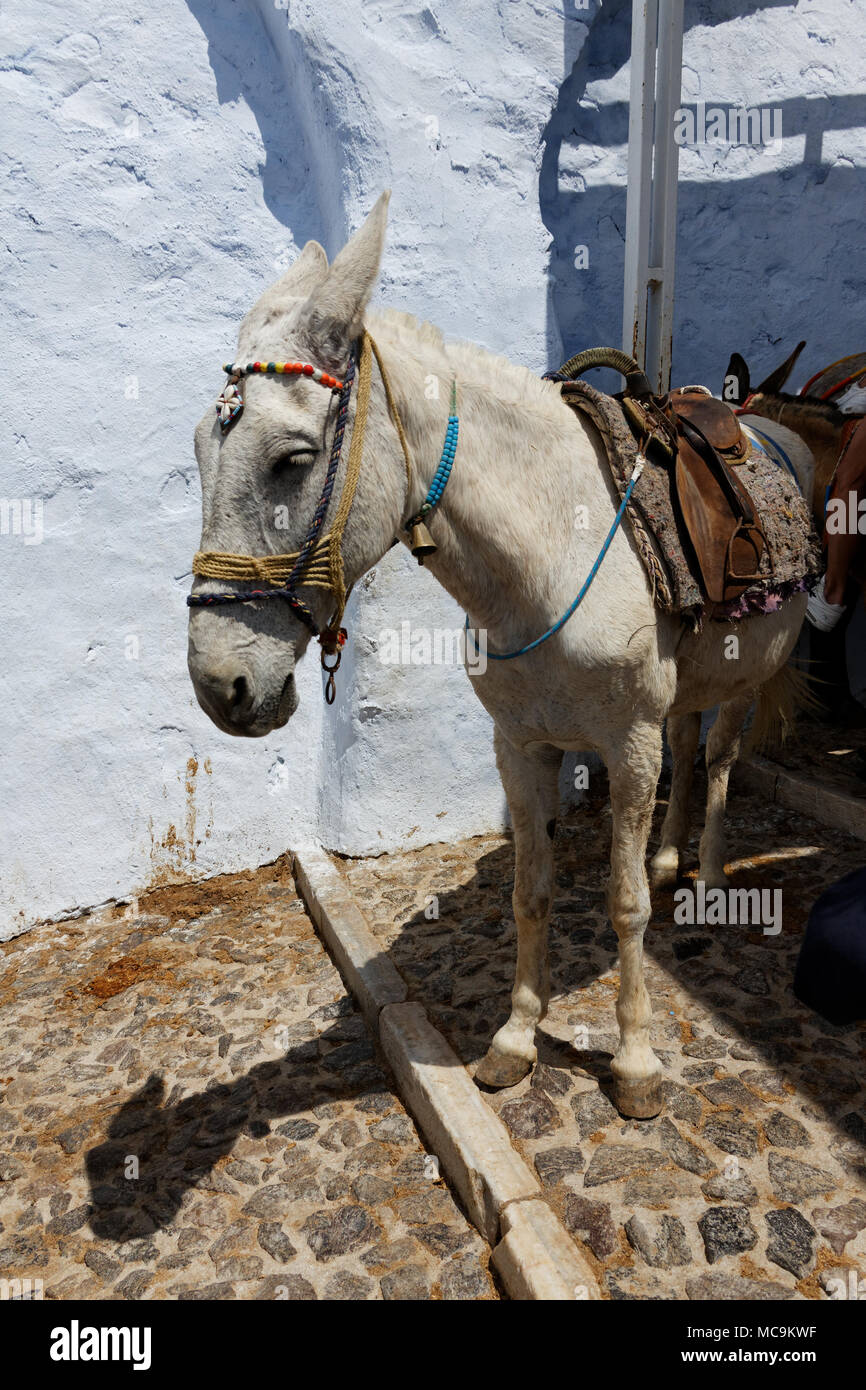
<point x="510" y="553"/>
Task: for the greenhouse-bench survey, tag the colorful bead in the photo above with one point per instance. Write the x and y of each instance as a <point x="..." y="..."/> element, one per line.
<point x="282" y="368"/>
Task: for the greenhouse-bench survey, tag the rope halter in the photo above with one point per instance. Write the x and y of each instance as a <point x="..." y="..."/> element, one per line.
<point x="319" y="562"/>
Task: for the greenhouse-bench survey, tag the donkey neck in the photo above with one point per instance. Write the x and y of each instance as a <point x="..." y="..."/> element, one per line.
<point x="507" y="544"/>
<point x="822" y="436"/>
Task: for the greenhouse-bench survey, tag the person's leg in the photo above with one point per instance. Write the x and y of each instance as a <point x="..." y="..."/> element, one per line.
<point x="827" y="602"/>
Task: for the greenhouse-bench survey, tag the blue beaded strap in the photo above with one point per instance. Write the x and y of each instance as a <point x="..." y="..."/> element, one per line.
<point x="446" y="463"/>
<point x="530" y="646"/>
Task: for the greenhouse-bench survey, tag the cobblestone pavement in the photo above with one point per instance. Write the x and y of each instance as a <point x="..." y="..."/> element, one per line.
<point x="752" y="1183"/>
<point x="192" y="1108"/>
<point x="832" y="757"/>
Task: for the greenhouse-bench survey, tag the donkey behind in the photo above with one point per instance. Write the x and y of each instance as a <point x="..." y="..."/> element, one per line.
<point x="510" y="554"/>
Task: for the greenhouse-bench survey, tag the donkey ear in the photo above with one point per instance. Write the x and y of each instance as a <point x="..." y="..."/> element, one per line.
<point x="776" y="380"/>
<point x="305" y="273"/>
<point x="335" y="309"/>
<point x="736" y="385"/>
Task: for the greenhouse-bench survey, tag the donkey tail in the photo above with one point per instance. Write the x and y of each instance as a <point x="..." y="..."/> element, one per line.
<point x="780" y="700"/>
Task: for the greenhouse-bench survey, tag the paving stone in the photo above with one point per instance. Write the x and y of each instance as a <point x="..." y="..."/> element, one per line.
<point x="463" y="1279"/>
<point x="792" y="1181"/>
<point x="134" y="1285"/>
<point x="592" y="1222"/>
<point x="680" y="1102"/>
<point x="291" y="1288"/>
<point x="682" y="1151"/>
<point x="553" y="1080"/>
<point x="763" y="1081"/>
<point x="273" y="1239"/>
<point x="409" y="1282"/>
<point x="272" y="1202"/>
<point x="726" y="1231"/>
<point x="659" y="1240"/>
<point x="348" y="1287"/>
<point x="242" y="1172"/>
<point x="840" y="1224"/>
<point x="385" y="1254"/>
<point x="729" y="1092"/>
<point x="791" y="1241"/>
<point x="531" y="1118"/>
<point x="723" y="1189"/>
<point x="593" y="1112"/>
<point x="611" y="1162"/>
<point x="731" y="1134"/>
<point x="370" y="1189"/>
<point x="752" y="980"/>
<point x="336" y="1233"/>
<point x="70" y="1140"/>
<point x="655" y="1189"/>
<point x="443" y="1240"/>
<point x="70" y="1221"/>
<point x="102" y="1264"/>
<point x="732" y="1288"/>
<point x="784" y="1132"/>
<point x="552" y="1165"/>
<point x="705" y="1047"/>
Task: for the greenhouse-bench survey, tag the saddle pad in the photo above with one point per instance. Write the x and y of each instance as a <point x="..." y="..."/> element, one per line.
<point x="830" y="381"/>
<point x="791" y="561"/>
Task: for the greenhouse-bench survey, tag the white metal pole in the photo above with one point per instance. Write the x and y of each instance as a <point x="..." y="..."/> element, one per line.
<point x="653" y="163"/>
<point x="644" y="25"/>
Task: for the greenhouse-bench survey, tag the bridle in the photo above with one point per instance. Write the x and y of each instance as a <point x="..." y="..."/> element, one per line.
<point x="319" y="562"/>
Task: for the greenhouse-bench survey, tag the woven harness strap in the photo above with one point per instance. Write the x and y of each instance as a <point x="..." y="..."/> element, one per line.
<point x="319" y="562"/>
<point x="353" y="470"/>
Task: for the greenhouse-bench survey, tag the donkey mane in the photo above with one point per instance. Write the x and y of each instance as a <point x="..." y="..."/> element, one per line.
<point x="808" y="407"/>
<point x="511" y="383"/>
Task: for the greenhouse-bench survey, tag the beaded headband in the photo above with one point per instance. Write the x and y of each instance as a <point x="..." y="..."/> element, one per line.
<point x="230" y="402"/>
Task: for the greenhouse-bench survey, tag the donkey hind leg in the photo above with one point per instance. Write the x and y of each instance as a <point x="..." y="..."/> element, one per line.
<point x="723" y="746"/>
<point x="683" y="733"/>
<point x="532" y="789"/>
<point x="633" y="772"/>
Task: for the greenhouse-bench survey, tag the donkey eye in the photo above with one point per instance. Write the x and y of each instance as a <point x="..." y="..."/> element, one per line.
<point x="294" y="458"/>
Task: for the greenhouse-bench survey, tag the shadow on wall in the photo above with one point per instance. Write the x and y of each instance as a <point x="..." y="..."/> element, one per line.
<point x="247" y="66"/>
<point x="284" y="78"/>
<point x="759" y="260"/>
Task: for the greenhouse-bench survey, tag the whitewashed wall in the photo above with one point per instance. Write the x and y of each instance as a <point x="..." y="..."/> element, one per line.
<point x="162" y="164"/>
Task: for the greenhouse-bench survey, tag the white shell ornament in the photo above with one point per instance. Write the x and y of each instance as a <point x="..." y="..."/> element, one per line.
<point x="229" y="405"/>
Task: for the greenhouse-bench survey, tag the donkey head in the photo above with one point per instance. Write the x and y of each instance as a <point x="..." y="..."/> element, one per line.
<point x="262" y="480"/>
<point x="737" y="389"/>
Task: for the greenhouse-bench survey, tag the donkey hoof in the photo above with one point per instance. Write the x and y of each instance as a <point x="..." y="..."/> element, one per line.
<point x="501" y="1069"/>
<point x="714" y="878"/>
<point x="664" y="868"/>
<point x="639" y="1099"/>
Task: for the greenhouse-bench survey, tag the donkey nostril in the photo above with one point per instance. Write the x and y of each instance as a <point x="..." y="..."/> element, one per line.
<point x="241" y="692"/>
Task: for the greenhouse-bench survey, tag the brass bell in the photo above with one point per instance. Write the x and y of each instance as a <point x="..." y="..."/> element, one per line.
<point x="422" y="543"/>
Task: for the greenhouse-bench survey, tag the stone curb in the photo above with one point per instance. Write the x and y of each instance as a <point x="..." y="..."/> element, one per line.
<point x="471" y="1141"/>
<point x="538" y="1260"/>
<point x="532" y="1251"/>
<point x="370" y="975"/>
<point x="797" y="793"/>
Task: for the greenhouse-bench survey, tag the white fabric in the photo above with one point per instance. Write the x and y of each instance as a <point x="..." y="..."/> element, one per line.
<point x="853" y="400"/>
<point x="821" y="614"/>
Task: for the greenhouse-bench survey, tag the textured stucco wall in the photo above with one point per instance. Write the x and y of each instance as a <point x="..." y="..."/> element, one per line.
<point x="161" y="165"/>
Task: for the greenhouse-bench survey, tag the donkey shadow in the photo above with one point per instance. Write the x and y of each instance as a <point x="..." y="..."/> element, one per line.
<point x="154" y="1153"/>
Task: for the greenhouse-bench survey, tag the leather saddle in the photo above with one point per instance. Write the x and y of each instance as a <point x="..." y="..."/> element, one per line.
<point x="699" y="441"/>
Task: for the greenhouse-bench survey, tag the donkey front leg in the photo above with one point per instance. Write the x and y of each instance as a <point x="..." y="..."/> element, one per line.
<point x="633" y="771"/>
<point x="723" y="747"/>
<point x="532" y="789"/>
